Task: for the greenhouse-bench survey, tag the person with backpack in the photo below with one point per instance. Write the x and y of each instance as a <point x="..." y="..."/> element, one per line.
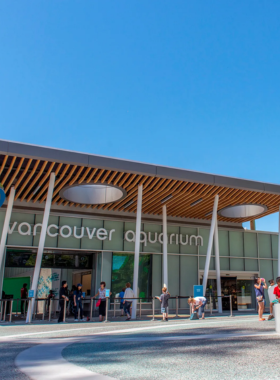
<point x="77" y="297"/>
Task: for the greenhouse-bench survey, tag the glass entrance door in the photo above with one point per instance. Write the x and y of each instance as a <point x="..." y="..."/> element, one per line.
<point x="228" y="287"/>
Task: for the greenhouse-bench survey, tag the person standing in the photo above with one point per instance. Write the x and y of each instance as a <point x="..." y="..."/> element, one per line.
<point x="102" y="300"/>
<point x="63" y="293"/>
<point x="276" y="290"/>
<point x="271" y="297"/>
<point x="23" y="296"/>
<point x="260" y="285"/>
<point x="78" y="296"/>
<point x="127" y="300"/>
<point x="121" y="294"/>
<point x="164" y="303"/>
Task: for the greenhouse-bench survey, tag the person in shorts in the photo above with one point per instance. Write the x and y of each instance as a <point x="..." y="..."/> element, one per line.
<point x="197" y="303"/>
<point x="260" y="285"/>
<point x="271" y="297"/>
<point x="121" y="294"/>
<point x="276" y="290"/>
<point x="164" y="303"/>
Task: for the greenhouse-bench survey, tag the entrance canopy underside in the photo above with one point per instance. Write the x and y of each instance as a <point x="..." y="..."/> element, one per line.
<point x="186" y="193"/>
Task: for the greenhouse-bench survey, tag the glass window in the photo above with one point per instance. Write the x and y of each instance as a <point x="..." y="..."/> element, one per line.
<point x="122" y="272"/>
<point x="223" y="243"/>
<point x="250" y="244"/>
<point x="246" y="298"/>
<point x="264" y="245"/>
<point x="236" y="243"/>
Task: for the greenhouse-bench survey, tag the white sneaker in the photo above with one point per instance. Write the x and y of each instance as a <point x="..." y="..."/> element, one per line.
<point x="76" y="320"/>
<point x="84" y="319"/>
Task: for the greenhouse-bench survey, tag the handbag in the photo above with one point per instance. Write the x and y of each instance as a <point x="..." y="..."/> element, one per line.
<point x="98" y="302"/>
<point x="193" y="316"/>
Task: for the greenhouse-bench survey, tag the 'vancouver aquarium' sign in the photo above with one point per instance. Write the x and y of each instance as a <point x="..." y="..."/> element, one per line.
<point x="2" y="195"/>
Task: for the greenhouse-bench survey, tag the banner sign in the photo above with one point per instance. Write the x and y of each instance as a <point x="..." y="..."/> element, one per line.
<point x="2" y="195"/>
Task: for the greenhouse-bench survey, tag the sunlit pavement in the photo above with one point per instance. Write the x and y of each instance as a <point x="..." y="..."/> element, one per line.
<point x="214" y="348"/>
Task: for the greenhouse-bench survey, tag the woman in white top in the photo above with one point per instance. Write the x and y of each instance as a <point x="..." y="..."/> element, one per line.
<point x="127" y="300"/>
<point x="102" y="297"/>
<point x="198" y="302"/>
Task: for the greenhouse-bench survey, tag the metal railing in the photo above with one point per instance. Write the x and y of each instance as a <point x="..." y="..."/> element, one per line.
<point x="145" y="306"/>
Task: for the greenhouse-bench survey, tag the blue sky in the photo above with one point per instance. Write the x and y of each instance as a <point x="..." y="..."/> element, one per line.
<point x="180" y="83"/>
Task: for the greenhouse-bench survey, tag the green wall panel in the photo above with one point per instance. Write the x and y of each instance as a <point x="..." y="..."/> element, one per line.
<point x="236" y="243"/>
<point x="275" y="269"/>
<point x="189" y="249"/>
<point x="205" y="235"/>
<point x="266" y="271"/>
<point x="156" y="274"/>
<point x="188" y="277"/>
<point x="274" y="241"/>
<point x="224" y="263"/>
<point x="50" y="241"/>
<point x="237" y="264"/>
<point x="173" y="278"/>
<point x="69" y="242"/>
<point x="117" y="237"/>
<point x="130" y="246"/>
<point x="202" y="260"/>
<point x="93" y="243"/>
<point x="172" y="248"/>
<point x="251" y="265"/>
<point x="223" y="243"/>
<point x="154" y="230"/>
<point x="264" y="245"/>
<point x="250" y="244"/>
<point x="16" y="238"/>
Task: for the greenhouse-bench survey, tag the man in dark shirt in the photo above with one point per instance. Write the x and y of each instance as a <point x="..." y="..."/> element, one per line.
<point x="23" y="296"/>
<point x="62" y="296"/>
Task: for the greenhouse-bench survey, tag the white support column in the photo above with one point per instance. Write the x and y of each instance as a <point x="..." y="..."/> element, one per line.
<point x="210" y="244"/>
<point x="137" y="250"/>
<point x="41" y="243"/>
<point x="278" y="274"/>
<point x="164" y="257"/>
<point x="217" y="264"/>
<point x="4" y="236"/>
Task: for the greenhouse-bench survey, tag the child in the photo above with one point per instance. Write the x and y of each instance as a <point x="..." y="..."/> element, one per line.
<point x="196" y="303"/>
<point x="78" y="296"/>
<point x="164" y="304"/>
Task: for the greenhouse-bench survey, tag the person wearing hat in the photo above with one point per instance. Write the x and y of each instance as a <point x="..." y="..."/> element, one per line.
<point x="78" y="296"/>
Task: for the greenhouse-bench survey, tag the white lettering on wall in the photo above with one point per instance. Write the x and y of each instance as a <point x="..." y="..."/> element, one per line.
<point x="27" y="232"/>
<point x="65" y="231"/>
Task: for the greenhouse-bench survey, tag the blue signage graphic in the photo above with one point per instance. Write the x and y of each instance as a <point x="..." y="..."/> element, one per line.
<point x="107" y="292"/>
<point x="2" y="195"/>
<point x="198" y="290"/>
<point x="84" y="294"/>
<point x="30" y="293"/>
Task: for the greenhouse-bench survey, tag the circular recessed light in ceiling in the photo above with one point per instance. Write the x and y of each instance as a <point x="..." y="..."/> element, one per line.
<point x="92" y="193"/>
<point x="242" y="211"/>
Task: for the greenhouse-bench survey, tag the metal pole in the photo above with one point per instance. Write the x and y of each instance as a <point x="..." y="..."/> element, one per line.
<point x="106" y="318"/>
<point x="64" y="310"/>
<point x="210" y="244"/>
<point x="230" y="301"/>
<point x="210" y="305"/>
<point x="11" y="310"/>
<point x="177" y="306"/>
<point x="24" y="307"/>
<point x="153" y="303"/>
<point x="5" y="234"/>
<point x="79" y="314"/>
<point x="42" y="241"/>
<point x="1" y="309"/>
<point x="279" y="246"/>
<point x="217" y="264"/>
<point x="44" y="307"/>
<point x="30" y="314"/>
<point x="137" y="250"/>
<point x="140" y="308"/>
<point x="91" y="307"/>
<point x="114" y="308"/>
<point x="164" y="261"/>
<point x="50" y="310"/>
<point x="5" y="310"/>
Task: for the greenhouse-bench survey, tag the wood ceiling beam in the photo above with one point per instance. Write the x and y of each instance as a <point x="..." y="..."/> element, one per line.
<point x="42" y="181"/>
<point x="15" y="174"/>
<point x="27" y="180"/>
<point x="3" y="164"/>
<point x="47" y="184"/>
<point x="9" y="170"/>
<point x="34" y="181"/>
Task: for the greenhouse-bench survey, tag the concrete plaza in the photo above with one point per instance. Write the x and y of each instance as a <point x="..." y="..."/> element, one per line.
<point x="240" y="347"/>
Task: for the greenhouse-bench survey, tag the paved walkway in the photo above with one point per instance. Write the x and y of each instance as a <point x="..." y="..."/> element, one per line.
<point x="212" y="349"/>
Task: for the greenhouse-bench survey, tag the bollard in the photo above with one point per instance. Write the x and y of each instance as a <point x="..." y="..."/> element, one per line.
<point x="153" y="302"/>
<point x="1" y="310"/>
<point x="11" y="310"/>
<point x="44" y="307"/>
<point x="5" y="310"/>
<point x="106" y="317"/>
<point x="91" y="307"/>
<point x="230" y="301"/>
<point x="276" y="309"/>
<point x="210" y="305"/>
<point x="177" y="306"/>
<point x="29" y="307"/>
<point x="140" y="308"/>
<point x="24" y="308"/>
<point x="114" y="308"/>
<point x="17" y="308"/>
<point x="50" y="310"/>
<point x="64" y="310"/>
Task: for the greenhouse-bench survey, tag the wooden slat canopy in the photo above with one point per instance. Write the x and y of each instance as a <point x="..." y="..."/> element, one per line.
<point x="30" y="177"/>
